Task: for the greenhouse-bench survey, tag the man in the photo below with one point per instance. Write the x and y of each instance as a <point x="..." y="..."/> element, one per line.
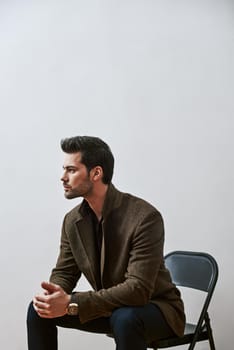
<point x="116" y="241"/>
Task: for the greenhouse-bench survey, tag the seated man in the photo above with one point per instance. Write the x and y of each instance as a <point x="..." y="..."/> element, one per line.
<point x="115" y="240"/>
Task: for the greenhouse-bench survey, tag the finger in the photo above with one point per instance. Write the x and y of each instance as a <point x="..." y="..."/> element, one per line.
<point x="50" y="287"/>
<point x="41" y="305"/>
<point x="41" y="298"/>
<point x="41" y="309"/>
<point x="44" y="315"/>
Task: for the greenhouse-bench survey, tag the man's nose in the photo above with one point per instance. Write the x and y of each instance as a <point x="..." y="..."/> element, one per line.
<point x="63" y="177"/>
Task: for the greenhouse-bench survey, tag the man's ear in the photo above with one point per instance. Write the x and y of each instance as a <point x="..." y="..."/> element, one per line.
<point x="97" y="173"/>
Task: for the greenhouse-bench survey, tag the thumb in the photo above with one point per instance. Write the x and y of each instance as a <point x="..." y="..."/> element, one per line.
<point x="50" y="287"/>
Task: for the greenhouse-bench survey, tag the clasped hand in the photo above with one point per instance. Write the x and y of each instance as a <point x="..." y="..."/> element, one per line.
<point x="53" y="302"/>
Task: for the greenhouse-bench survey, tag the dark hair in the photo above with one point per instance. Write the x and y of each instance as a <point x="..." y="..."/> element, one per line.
<point x="94" y="152"/>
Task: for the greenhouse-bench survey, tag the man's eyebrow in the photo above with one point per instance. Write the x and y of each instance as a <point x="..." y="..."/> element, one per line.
<point x="69" y="167"/>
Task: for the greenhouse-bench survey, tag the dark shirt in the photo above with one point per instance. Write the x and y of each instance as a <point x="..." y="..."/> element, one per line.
<point x="98" y="235"/>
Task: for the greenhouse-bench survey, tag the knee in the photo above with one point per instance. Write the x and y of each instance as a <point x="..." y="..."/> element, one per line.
<point x="124" y="319"/>
<point x="32" y="316"/>
<point x="31" y="312"/>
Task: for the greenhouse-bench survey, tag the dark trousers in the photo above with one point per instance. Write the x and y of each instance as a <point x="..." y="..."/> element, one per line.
<point x="132" y="327"/>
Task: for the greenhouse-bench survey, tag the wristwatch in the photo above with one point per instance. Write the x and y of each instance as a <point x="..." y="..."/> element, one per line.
<point x="72" y="309"/>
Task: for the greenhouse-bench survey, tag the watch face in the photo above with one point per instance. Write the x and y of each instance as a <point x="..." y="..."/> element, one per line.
<point x="72" y="309"/>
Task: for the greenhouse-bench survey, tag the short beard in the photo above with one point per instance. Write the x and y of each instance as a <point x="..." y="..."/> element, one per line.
<point x="71" y="195"/>
<point x="81" y="192"/>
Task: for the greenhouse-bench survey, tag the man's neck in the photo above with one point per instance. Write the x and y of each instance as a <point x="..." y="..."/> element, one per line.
<point x="96" y="201"/>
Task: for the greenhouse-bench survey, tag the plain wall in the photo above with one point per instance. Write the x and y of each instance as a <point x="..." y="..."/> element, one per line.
<point x="152" y="78"/>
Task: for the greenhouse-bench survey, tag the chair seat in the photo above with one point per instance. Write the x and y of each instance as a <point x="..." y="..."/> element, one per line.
<point x="187" y="338"/>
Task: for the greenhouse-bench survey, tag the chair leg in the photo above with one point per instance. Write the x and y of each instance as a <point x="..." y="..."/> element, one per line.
<point x="209" y="331"/>
<point x="192" y="345"/>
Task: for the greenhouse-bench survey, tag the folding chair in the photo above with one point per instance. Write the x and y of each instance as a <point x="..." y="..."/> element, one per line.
<point x="197" y="271"/>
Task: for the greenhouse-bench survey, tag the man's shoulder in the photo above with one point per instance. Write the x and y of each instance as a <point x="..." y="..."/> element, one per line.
<point x="137" y="205"/>
<point x="132" y="198"/>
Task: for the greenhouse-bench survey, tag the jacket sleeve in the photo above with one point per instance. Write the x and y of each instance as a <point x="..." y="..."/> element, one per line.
<point x="145" y="257"/>
<point x="66" y="272"/>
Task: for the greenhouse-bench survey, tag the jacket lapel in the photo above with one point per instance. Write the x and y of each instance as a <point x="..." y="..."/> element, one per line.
<point x="102" y="260"/>
<point x="95" y="269"/>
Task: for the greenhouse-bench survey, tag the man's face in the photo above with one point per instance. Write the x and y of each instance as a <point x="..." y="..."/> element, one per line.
<point x="76" y="179"/>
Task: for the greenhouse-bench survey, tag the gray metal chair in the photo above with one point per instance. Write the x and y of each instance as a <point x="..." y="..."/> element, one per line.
<point x="198" y="271"/>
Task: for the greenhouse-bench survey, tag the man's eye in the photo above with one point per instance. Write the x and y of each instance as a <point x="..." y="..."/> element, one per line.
<point x="72" y="171"/>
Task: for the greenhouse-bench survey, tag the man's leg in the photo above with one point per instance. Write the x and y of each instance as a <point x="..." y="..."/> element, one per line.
<point x="134" y="327"/>
<point x="42" y="332"/>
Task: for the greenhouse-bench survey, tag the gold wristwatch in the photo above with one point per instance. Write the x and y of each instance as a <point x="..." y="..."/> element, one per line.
<point x="72" y="309"/>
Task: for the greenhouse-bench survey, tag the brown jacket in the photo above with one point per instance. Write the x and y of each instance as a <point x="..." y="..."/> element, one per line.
<point x="132" y="265"/>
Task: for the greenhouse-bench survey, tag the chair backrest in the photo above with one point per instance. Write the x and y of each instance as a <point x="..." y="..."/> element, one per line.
<point x="192" y="269"/>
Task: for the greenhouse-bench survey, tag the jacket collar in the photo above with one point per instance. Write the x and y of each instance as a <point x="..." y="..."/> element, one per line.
<point x="112" y="201"/>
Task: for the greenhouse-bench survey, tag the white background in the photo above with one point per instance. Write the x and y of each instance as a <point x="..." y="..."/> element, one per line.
<point x="152" y="78"/>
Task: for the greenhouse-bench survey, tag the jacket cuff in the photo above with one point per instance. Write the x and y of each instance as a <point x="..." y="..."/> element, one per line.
<point x="74" y="298"/>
